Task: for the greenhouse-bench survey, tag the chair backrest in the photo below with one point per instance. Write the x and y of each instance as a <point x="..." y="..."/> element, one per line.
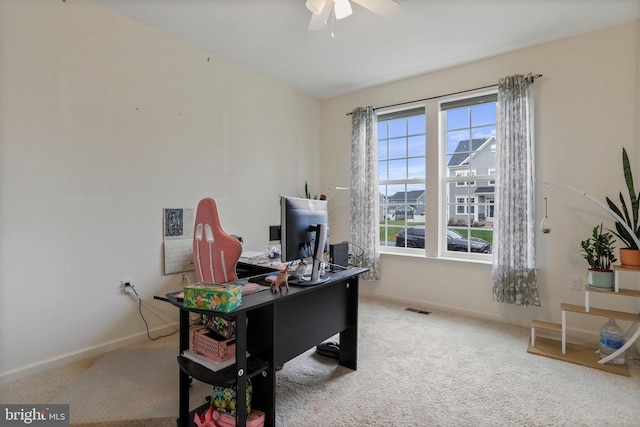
<point x="215" y="253"/>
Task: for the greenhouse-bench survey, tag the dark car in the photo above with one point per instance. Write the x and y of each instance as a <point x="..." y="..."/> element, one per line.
<point x="458" y="242"/>
<point x="414" y="238"/>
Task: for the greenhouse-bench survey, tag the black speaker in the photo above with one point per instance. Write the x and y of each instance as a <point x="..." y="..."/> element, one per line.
<point x="274" y="233"/>
<point x="339" y="255"/>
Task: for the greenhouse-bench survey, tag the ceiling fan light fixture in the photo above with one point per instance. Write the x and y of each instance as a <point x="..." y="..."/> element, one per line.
<point x="342" y="8"/>
<point x="315" y="6"/>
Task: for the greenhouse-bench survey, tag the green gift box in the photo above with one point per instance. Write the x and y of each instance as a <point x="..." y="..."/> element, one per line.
<point x="224" y="398"/>
<point x="214" y="297"/>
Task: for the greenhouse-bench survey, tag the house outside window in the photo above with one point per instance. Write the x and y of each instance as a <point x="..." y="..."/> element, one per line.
<point x="402" y="177"/>
<point x="468" y="141"/>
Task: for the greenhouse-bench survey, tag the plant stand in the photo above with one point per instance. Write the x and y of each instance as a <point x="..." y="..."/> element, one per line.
<point x="583" y="355"/>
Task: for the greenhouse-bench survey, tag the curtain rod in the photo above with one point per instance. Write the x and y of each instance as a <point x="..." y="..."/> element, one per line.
<point x="531" y="77"/>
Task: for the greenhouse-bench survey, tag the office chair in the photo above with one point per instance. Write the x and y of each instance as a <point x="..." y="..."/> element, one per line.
<point x="215" y="252"/>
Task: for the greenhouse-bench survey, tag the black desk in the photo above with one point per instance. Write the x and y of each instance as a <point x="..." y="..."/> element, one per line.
<point x="247" y="269"/>
<point x="277" y="328"/>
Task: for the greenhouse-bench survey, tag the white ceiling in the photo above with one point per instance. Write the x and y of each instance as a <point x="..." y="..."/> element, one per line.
<point x="270" y="37"/>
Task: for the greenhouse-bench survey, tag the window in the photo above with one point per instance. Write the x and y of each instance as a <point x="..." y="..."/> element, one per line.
<point x="468" y="134"/>
<point x="465" y="183"/>
<point x="402" y="177"/>
<point x="463" y="130"/>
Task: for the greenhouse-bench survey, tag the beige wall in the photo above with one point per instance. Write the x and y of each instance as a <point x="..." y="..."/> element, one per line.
<point x="103" y="123"/>
<point x="586" y="111"/>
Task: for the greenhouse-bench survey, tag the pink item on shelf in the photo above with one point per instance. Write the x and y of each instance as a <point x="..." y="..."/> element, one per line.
<point x="211" y="346"/>
<point x="206" y="419"/>
<point x="254" y="419"/>
<point x="215" y="253"/>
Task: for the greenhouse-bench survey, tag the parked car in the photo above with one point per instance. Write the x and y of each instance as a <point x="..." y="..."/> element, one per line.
<point x="414" y="238"/>
<point x="458" y="242"/>
<point x="412" y="235"/>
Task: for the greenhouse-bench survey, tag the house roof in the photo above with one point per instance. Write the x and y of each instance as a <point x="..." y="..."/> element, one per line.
<point x="410" y="196"/>
<point x="461" y="155"/>
<point x="484" y="190"/>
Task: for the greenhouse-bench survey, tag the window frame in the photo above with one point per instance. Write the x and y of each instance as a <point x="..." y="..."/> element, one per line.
<point x="471" y="207"/>
<point x="390" y="114"/>
<point x="435" y="183"/>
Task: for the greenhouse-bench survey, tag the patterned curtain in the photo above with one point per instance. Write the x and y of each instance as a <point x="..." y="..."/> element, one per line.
<point x="365" y="197"/>
<point x="514" y="272"/>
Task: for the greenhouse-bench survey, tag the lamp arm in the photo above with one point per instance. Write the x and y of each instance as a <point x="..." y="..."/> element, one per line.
<point x="602" y="205"/>
<point x="334" y="191"/>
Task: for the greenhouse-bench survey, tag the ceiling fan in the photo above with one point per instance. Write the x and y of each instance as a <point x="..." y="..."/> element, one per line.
<point x="321" y="10"/>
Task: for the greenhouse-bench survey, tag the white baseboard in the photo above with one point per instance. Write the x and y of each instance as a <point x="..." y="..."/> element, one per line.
<point x="65" y="359"/>
<point x="576" y="336"/>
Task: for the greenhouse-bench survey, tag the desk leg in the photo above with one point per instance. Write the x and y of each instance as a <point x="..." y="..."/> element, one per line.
<point x="241" y="369"/>
<point x="184" y="380"/>
<point x="348" y="355"/>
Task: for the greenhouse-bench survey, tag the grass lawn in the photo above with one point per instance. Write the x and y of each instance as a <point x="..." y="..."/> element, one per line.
<point x="388" y="234"/>
<point x="482" y="233"/>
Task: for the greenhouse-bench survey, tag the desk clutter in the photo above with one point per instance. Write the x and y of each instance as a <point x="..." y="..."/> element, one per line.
<point x="264" y="259"/>
<point x="217" y="340"/>
<point x="214" y="346"/>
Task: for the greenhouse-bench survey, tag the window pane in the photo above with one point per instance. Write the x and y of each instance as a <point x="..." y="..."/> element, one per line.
<point x="483" y="161"/>
<point x="382" y="130"/>
<point x="417" y="168"/>
<point x="455" y="141"/>
<point x="382" y="170"/>
<point x="484" y="132"/>
<point x="418" y="199"/>
<point x="416" y="125"/>
<point x="397" y="127"/>
<point x="458" y="118"/>
<point x="382" y="149"/>
<point x="416" y="146"/>
<point x="403" y="212"/>
<point x="483" y="114"/>
<point x="398" y="169"/>
<point x="397" y="148"/>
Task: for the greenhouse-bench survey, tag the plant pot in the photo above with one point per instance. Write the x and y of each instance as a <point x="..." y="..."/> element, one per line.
<point x="601" y="280"/>
<point x="630" y="257"/>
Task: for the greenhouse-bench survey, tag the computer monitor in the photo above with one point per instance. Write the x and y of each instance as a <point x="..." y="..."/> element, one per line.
<point x="304" y="230"/>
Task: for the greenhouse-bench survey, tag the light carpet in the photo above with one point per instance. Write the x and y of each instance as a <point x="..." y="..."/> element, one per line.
<point x="447" y="370"/>
<point x="127" y="384"/>
<point x="414" y="369"/>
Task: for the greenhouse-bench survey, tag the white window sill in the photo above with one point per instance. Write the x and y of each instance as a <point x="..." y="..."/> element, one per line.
<point x="419" y="253"/>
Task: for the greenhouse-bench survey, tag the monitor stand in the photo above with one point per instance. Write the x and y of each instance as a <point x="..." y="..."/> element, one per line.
<point x="315" y="279"/>
<point x="308" y="281"/>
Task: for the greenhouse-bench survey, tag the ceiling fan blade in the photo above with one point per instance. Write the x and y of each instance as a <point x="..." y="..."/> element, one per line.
<point x="384" y="8"/>
<point x="318" y="22"/>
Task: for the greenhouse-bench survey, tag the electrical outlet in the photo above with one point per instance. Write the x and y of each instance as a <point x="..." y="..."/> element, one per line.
<point x="184" y="278"/>
<point x="575" y="283"/>
<point x="124" y="284"/>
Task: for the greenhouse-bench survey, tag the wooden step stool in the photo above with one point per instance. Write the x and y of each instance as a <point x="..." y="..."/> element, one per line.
<point x="577" y="354"/>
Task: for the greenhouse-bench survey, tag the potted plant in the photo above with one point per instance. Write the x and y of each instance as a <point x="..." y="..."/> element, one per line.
<point x="598" y="250"/>
<point x="629" y="232"/>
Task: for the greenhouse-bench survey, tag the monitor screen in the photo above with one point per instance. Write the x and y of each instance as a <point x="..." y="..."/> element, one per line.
<point x="304" y="228"/>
